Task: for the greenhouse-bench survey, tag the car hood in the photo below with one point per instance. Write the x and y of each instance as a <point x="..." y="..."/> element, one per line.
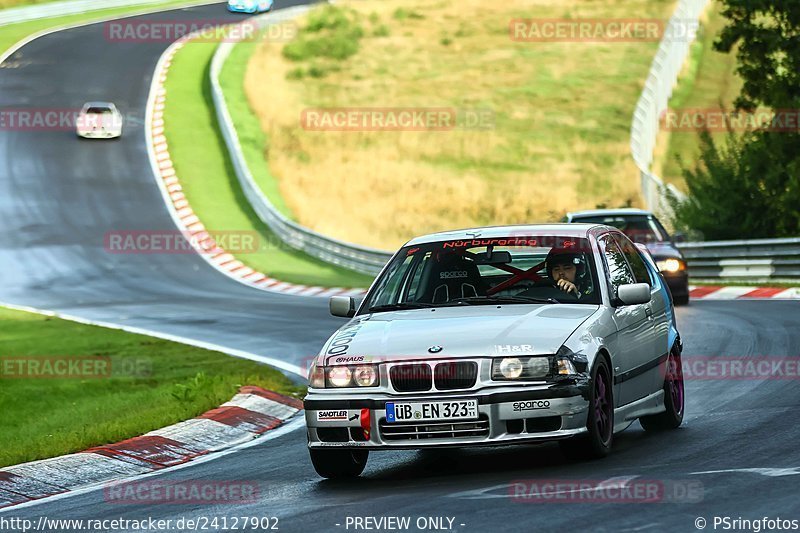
<point x="663" y="250"/>
<point x="459" y="331"/>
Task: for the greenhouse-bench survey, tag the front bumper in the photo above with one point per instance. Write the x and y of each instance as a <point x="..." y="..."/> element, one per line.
<point x="678" y="283"/>
<point x="99" y="134"/>
<point x="507" y="415"/>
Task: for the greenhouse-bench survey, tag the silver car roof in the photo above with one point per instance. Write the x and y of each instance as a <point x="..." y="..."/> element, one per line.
<point x="610" y="212"/>
<point x="564" y="230"/>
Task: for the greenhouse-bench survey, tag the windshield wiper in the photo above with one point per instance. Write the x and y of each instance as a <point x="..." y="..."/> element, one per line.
<point x="503" y="299"/>
<point x="402" y="306"/>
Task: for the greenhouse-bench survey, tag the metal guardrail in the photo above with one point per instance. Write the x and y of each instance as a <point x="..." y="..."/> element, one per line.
<point x="57" y="9"/>
<point x="351" y="256"/>
<point x="752" y="260"/>
<point x="670" y="58"/>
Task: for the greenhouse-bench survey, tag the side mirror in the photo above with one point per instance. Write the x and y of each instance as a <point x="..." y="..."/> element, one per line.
<point x="633" y="294"/>
<point x="343" y="306"/>
<point x="679" y="237"/>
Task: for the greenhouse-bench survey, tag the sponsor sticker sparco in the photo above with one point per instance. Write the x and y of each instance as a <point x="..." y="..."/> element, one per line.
<point x="457" y="274"/>
<point x="531" y="405"/>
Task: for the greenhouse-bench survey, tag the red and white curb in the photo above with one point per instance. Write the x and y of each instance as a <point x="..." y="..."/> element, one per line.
<point x="716" y="292"/>
<point x="182" y="212"/>
<point x="248" y="415"/>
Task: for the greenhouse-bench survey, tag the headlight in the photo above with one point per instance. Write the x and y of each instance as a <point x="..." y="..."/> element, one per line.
<point x="511" y="368"/>
<point x="343" y="376"/>
<point x="340" y="376"/>
<point x="671" y="265"/>
<point x="365" y="376"/>
<point x="520" y="368"/>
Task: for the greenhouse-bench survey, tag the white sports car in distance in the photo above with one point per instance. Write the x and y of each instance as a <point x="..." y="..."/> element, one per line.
<point x="497" y="336"/>
<point x="249" y="6"/>
<point x="99" y="120"/>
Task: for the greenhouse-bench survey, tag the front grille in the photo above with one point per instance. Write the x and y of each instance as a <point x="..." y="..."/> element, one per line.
<point x="435" y="430"/>
<point x="411" y="378"/>
<point x="455" y="375"/>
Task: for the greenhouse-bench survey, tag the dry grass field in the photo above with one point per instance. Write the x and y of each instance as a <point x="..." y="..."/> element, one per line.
<point x="561" y="116"/>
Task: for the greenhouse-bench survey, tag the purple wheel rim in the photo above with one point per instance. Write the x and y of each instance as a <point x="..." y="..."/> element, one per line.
<point x="675" y="383"/>
<point x="602" y="406"/>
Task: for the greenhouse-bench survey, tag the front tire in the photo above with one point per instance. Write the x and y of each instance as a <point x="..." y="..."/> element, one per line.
<point x="339" y="463"/>
<point x="596" y="442"/>
<point x="673" y="398"/>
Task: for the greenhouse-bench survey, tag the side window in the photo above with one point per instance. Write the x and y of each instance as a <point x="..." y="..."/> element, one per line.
<point x="393" y="280"/>
<point x="618" y="271"/>
<point x="635" y="260"/>
<point x="414" y="286"/>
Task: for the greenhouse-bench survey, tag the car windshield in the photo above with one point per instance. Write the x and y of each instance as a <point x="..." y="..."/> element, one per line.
<point x="99" y="111"/>
<point x="482" y="271"/>
<point x="639" y="228"/>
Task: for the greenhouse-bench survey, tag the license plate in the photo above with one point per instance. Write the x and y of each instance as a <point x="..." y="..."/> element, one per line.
<point x="432" y="411"/>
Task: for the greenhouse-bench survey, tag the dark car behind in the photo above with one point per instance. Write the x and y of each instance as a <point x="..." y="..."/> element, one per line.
<point x="644" y="228"/>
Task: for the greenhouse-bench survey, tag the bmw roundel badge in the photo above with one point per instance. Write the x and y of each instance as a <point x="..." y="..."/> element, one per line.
<point x="435" y="349"/>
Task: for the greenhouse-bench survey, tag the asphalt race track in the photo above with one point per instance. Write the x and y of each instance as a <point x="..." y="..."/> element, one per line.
<point x="59" y="196"/>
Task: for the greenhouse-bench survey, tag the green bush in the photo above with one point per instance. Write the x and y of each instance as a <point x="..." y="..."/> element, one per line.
<point x="737" y="191"/>
<point x="332" y="33"/>
<point x="403" y="14"/>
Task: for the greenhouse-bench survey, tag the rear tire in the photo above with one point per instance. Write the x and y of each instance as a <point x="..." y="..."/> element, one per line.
<point x="339" y="464"/>
<point x="673" y="398"/>
<point x="596" y="442"/>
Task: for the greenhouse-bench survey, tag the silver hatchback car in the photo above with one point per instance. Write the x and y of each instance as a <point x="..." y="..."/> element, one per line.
<point x="502" y="335"/>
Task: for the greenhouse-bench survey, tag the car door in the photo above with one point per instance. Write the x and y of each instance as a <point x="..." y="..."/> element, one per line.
<point x="657" y="310"/>
<point x="634" y="343"/>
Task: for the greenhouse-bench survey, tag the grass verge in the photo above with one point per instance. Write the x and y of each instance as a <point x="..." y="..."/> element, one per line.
<point x="709" y="82"/>
<point x="153" y="383"/>
<point x="10" y="34"/>
<point x="558" y="139"/>
<point x="210" y="184"/>
<point x="252" y="138"/>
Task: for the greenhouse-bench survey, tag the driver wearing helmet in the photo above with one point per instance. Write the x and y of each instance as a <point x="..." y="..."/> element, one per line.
<point x="567" y="271"/>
